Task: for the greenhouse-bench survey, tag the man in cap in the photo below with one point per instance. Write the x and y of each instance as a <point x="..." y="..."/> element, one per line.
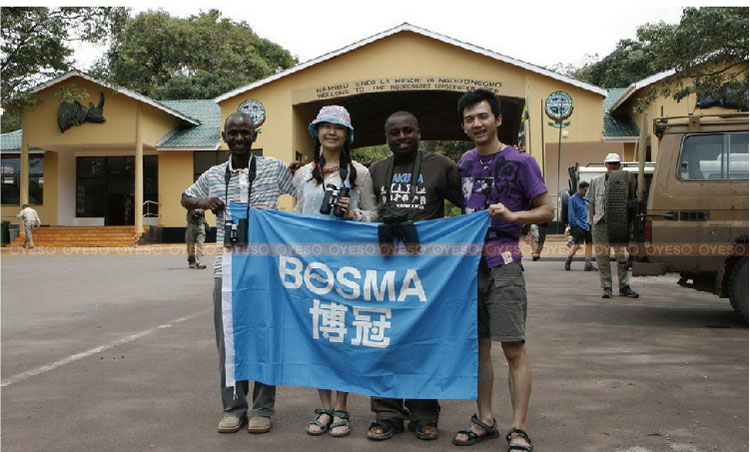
<point x="596" y="196"/>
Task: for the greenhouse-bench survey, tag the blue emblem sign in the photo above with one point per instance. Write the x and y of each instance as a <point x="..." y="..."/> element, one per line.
<point x="255" y="109"/>
<point x="558" y="106"/>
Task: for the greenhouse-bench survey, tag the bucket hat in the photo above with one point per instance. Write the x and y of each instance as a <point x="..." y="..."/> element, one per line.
<point x="333" y="114"/>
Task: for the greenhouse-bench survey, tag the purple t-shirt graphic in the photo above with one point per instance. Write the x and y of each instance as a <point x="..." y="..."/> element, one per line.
<point x="510" y="177"/>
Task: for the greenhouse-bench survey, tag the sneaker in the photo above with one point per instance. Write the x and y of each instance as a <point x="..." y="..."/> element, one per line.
<point x="259" y="424"/>
<point x="607" y="292"/>
<point x="628" y="292"/>
<point x="589" y="267"/>
<point x="200" y="266"/>
<point x="567" y="263"/>
<point x="231" y="424"/>
<point x="534" y="257"/>
<point x="191" y="265"/>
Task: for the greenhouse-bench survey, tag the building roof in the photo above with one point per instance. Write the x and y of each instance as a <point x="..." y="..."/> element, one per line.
<point x="617" y="126"/>
<point x="421" y="31"/>
<point x="203" y="136"/>
<point x="11" y="141"/>
<point x="637" y="86"/>
<point x="139" y="97"/>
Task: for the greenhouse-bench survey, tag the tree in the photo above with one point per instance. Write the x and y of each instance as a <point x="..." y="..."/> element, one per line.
<point x="36" y="44"/>
<point x="709" y="46"/>
<point x="199" y="57"/>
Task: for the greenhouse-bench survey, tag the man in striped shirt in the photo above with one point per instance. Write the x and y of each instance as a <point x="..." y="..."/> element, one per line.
<point x="214" y="190"/>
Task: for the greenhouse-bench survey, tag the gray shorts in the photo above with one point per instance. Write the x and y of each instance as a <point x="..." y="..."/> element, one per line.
<point x="501" y="303"/>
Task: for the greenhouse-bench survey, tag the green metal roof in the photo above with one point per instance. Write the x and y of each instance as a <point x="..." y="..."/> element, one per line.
<point x="205" y="135"/>
<point x="616" y="126"/>
<point x="11" y="141"/>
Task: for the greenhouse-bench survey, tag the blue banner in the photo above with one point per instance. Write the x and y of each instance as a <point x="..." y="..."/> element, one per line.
<point x="310" y="301"/>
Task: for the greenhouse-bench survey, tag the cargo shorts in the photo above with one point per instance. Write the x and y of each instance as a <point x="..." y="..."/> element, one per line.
<point x="501" y="303"/>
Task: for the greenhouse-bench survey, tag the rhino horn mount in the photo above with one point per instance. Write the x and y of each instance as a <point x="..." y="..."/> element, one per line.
<point x="71" y="114"/>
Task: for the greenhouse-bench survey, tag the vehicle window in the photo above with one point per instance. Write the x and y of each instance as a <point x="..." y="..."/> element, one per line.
<point x="721" y="156"/>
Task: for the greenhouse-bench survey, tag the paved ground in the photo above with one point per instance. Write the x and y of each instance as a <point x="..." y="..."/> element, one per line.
<point x="108" y="351"/>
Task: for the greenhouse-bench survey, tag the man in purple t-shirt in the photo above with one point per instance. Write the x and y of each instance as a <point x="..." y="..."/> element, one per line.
<point x="500" y="179"/>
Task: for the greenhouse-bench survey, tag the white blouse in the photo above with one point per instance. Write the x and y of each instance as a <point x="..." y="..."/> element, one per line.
<point x="310" y="193"/>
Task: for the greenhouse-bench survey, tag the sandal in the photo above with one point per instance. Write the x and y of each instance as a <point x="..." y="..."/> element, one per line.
<point x="388" y="427"/>
<point x="524" y="435"/>
<point x="417" y="426"/>
<point x="344" y="422"/>
<point x="316" y="421"/>
<point x="490" y="433"/>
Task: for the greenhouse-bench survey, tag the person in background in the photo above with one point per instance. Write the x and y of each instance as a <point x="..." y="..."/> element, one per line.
<point x="596" y="196"/>
<point x="580" y="228"/>
<point x="30" y="220"/>
<point x="195" y="236"/>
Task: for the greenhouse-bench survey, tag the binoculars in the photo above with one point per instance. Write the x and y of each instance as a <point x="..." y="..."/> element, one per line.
<point x="331" y="198"/>
<point x="397" y="228"/>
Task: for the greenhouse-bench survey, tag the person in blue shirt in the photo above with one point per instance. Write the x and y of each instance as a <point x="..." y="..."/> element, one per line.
<point x="578" y="216"/>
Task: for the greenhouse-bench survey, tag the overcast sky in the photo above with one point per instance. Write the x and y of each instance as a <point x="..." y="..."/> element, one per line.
<point x="538" y="32"/>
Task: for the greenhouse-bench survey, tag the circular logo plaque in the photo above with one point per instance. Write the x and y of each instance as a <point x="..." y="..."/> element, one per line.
<point x="255" y="109"/>
<point x="559" y="105"/>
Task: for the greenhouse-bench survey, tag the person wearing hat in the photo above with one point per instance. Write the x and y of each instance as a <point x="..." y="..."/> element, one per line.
<point x="596" y="196"/>
<point x="322" y="188"/>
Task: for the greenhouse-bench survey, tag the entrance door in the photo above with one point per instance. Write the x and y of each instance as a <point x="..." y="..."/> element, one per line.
<point x="106" y="187"/>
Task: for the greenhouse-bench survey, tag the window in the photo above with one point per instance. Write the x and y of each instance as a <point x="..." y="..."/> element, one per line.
<point x="11" y="179"/>
<point x="203" y="160"/>
<point x="721" y="156"/>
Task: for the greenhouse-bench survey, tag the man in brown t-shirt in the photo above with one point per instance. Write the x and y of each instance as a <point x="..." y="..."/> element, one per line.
<point x="436" y="179"/>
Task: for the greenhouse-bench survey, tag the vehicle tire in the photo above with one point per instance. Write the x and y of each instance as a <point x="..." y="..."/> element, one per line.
<point x="738" y="288"/>
<point x="616" y="207"/>
<point x="564" y="197"/>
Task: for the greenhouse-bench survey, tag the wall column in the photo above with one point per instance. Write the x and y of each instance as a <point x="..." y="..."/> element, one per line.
<point x="138" y="172"/>
<point x="24" y="182"/>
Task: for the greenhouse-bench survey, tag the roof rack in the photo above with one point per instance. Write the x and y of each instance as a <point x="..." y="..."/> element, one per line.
<point x="694" y="121"/>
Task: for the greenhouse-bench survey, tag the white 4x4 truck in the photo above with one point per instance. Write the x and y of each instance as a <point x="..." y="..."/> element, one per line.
<point x="694" y="219"/>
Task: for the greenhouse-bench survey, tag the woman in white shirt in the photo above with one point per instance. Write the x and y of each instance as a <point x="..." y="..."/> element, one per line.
<point x="334" y="172"/>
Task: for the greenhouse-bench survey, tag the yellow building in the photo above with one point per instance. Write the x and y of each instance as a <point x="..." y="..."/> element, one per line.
<point x="92" y="173"/>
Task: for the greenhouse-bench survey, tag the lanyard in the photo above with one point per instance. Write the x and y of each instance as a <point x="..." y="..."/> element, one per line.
<point x="250" y="179"/>
<point x="415" y="171"/>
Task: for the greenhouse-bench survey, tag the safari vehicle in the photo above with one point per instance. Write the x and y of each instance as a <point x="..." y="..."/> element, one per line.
<point x="694" y="218"/>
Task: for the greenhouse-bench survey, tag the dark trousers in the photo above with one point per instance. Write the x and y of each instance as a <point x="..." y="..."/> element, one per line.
<point x="399" y="410"/>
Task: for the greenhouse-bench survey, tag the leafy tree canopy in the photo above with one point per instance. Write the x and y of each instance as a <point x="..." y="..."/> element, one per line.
<point x="36" y="43"/>
<point x="709" y="46"/>
<point x="198" y="57"/>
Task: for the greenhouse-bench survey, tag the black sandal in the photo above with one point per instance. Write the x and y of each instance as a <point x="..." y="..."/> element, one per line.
<point x="491" y="433"/>
<point x="416" y="426"/>
<point x="316" y="421"/>
<point x="389" y="429"/>
<point x="524" y="435"/>
<point x="344" y="422"/>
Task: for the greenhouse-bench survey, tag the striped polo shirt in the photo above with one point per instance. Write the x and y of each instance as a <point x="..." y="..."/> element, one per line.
<point x="272" y="179"/>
